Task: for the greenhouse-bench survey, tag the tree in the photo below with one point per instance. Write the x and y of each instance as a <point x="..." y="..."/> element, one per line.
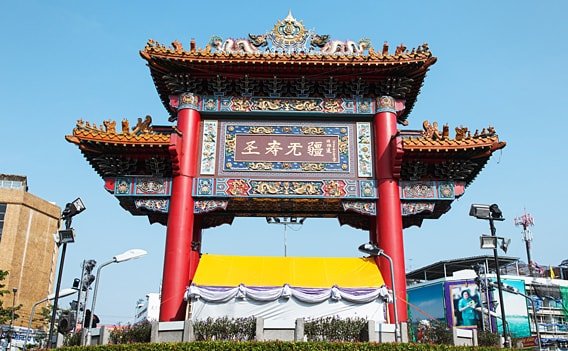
<point x="44" y="315"/>
<point x="6" y="312"/>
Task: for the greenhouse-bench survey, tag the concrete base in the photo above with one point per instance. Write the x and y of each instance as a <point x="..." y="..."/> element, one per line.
<point x="172" y="331"/>
<point x="96" y="336"/>
<point x="386" y="332"/>
<point x="183" y="331"/>
<point x="464" y="337"/>
<point x="277" y="331"/>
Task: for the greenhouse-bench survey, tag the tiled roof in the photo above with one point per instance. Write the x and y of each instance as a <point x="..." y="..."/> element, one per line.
<point x="143" y="134"/>
<point x="431" y="139"/>
<point x="423" y="143"/>
<point x="154" y="51"/>
<point x="400" y="74"/>
<point x="118" y="139"/>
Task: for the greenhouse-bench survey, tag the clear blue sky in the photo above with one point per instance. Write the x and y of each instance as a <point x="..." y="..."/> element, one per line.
<point x="500" y="63"/>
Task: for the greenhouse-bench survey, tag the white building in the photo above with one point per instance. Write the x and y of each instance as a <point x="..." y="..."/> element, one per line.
<point x="148" y="310"/>
<point x="432" y="296"/>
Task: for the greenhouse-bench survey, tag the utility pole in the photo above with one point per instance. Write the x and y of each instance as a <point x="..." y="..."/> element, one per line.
<point x="526" y="221"/>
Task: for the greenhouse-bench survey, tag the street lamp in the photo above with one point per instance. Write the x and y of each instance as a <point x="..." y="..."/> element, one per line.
<point x="493" y="213"/>
<point x="373" y="250"/>
<point x="125" y="256"/>
<point x="491" y="242"/>
<point x="62" y="238"/>
<point x="286" y="221"/>
<point x="62" y="293"/>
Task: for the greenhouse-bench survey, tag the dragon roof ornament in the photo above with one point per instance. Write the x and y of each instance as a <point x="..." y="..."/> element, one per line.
<point x="290" y="36"/>
<point x="143" y="126"/>
<point x="431" y="131"/>
<point x="108" y="132"/>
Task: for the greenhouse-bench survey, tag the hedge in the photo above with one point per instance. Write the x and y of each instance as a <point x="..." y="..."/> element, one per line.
<point x="274" y="346"/>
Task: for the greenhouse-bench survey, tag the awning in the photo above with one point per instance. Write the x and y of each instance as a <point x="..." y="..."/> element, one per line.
<point x="312" y="272"/>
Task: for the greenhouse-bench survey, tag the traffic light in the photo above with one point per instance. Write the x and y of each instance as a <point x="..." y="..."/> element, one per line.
<point x="66" y="322"/>
<point x="88" y="320"/>
<point x="88" y="278"/>
<point x="479" y="283"/>
<point x="479" y="269"/>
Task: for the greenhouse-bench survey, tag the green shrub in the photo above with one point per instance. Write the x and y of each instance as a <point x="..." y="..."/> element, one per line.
<point x="276" y="346"/>
<point x="434" y="332"/>
<point x="239" y="329"/>
<point x="73" y="339"/>
<point x="486" y="338"/>
<point x="135" y="333"/>
<point x="335" y="329"/>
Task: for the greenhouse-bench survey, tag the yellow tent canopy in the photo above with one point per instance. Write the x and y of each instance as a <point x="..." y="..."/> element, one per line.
<point x="312" y="272"/>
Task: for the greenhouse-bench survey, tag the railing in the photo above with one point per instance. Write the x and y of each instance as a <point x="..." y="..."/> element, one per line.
<point x="553" y="327"/>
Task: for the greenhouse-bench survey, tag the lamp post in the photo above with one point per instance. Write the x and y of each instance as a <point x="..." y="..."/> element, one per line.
<point x="286" y="221"/>
<point x="125" y="256"/>
<point x="493" y="213"/>
<point x="62" y="293"/>
<point x="63" y="237"/>
<point x="14" y="291"/>
<point x="373" y="250"/>
<point x="526" y="221"/>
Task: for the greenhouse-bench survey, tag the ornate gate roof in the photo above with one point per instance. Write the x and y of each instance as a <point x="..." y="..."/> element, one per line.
<point x="288" y="61"/>
<point x="296" y="75"/>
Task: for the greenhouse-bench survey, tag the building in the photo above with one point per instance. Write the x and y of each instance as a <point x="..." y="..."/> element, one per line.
<point x="435" y="291"/>
<point x="288" y="123"/>
<point x="27" y="247"/>
<point x="148" y="309"/>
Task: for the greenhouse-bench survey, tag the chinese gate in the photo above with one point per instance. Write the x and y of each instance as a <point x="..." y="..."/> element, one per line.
<point x="303" y="124"/>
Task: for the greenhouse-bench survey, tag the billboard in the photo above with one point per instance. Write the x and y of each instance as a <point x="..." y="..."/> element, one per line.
<point x="463" y="302"/>
<point x="516" y="312"/>
<point x="426" y="302"/>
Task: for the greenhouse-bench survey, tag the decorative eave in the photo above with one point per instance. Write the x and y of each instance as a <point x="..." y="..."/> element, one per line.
<point x="82" y="136"/>
<point x="490" y="144"/>
<point x="143" y="133"/>
<point x="431" y="139"/>
<point x="434" y="170"/>
<point x="432" y="152"/>
<point x="250" y="67"/>
<point x="140" y="150"/>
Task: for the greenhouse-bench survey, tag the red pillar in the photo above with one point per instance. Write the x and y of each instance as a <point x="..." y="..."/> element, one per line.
<point x="195" y="252"/>
<point x="388" y="225"/>
<point x="178" y="257"/>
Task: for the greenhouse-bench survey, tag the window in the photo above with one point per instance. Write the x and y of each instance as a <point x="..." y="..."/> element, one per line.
<point x="2" y="214"/>
<point x="11" y="184"/>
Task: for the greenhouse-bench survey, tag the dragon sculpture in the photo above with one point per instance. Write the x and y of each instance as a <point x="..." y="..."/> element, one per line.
<point x="230" y="45"/>
<point x="339" y="47"/>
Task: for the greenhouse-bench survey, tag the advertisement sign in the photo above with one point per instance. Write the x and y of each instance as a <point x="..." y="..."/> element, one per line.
<point x="516" y="312"/>
<point x="427" y="302"/>
<point x="463" y="302"/>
